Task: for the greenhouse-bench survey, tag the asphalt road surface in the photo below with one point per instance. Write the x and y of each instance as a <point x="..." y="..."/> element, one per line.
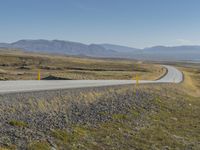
<point x="173" y="76"/>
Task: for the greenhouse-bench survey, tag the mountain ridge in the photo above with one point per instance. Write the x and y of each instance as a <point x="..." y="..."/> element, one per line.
<point x="184" y="52"/>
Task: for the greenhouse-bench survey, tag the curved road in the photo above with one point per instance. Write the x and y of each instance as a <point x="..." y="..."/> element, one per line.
<point x="173" y="76"/>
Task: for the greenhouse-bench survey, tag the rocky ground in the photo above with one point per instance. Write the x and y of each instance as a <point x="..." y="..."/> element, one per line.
<point x="93" y="118"/>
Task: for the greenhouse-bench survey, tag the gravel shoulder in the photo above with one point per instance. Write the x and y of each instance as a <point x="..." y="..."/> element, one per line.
<point x="116" y="117"/>
<point x="60" y="109"/>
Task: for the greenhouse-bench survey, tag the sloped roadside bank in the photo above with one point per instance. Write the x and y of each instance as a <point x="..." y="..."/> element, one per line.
<point x="92" y="118"/>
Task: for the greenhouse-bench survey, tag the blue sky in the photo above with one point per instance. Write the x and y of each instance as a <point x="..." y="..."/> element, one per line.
<point x="136" y="23"/>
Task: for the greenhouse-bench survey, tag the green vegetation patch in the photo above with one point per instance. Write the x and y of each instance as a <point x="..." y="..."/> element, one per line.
<point x="12" y="147"/>
<point x="39" y="145"/>
<point x="78" y="137"/>
<point x="119" y="116"/>
<point x="60" y="135"/>
<point x="17" y="123"/>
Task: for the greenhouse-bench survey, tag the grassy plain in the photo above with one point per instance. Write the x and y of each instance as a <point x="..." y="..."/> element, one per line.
<point x="15" y="65"/>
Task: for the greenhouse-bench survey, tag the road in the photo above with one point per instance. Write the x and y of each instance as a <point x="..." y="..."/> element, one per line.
<point x="173" y="76"/>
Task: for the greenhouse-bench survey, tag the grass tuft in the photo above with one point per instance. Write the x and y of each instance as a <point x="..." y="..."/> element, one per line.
<point x="42" y="145"/>
<point x="17" y="123"/>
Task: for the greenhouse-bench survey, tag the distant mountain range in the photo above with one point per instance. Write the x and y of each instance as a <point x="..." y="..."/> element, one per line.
<point x="188" y="53"/>
<point x="59" y="47"/>
<point x="120" y="48"/>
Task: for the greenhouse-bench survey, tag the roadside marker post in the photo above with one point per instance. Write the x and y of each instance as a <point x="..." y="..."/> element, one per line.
<point x="39" y="75"/>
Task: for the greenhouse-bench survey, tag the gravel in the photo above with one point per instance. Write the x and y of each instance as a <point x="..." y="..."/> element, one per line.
<point x="47" y="110"/>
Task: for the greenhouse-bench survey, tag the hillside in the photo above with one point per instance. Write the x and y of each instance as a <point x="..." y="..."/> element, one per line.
<point x="177" y="53"/>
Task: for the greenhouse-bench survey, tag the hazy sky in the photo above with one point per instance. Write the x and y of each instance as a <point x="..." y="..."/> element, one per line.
<point x="136" y="23"/>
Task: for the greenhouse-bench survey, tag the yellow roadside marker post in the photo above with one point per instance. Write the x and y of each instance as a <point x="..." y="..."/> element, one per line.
<point x="39" y="75"/>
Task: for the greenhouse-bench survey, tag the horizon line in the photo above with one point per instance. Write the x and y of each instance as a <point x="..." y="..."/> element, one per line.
<point x="51" y="40"/>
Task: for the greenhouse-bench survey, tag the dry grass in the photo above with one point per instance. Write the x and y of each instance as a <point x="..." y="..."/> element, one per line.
<point x="191" y="84"/>
<point x="39" y="145"/>
<point x="19" y="65"/>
